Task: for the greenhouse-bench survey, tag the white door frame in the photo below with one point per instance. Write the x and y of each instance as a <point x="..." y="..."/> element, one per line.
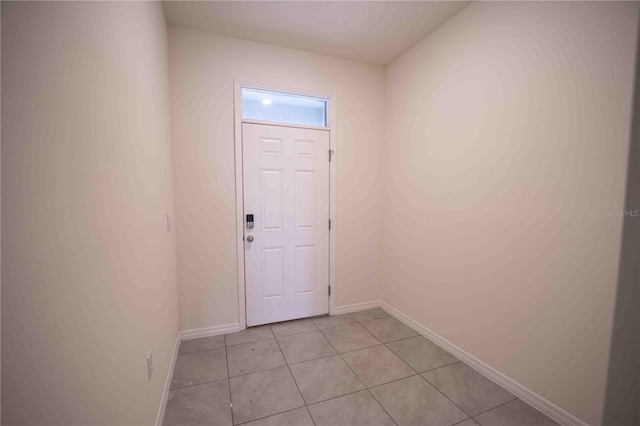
<point x="238" y="85"/>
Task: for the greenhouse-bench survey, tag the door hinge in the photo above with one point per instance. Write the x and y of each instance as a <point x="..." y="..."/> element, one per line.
<point x="331" y="152"/>
<point x="329" y="290"/>
<point x="329" y="224"/>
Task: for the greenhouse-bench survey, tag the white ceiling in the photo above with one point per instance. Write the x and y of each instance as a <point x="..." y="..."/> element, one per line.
<point x="370" y="31"/>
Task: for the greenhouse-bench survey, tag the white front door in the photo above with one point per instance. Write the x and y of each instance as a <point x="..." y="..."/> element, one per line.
<point x="286" y="189"/>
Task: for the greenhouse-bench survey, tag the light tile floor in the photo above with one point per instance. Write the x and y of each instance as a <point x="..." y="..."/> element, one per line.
<point x="364" y="368"/>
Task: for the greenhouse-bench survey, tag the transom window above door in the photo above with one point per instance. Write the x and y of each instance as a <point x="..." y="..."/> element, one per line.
<point x="264" y="105"/>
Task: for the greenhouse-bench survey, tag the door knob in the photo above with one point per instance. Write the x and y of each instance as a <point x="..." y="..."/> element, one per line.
<point x="250" y="239"/>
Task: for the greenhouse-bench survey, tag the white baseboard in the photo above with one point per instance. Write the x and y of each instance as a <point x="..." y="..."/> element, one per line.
<point x="216" y="330"/>
<point x="187" y="335"/>
<point x="167" y="383"/>
<point x="556" y="413"/>
<point x="356" y="307"/>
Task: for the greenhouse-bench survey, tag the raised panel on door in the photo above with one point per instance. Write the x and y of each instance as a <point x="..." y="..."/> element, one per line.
<point x="271" y="199"/>
<point x="305" y="270"/>
<point x="272" y="274"/>
<point x="305" y="199"/>
<point x="286" y="188"/>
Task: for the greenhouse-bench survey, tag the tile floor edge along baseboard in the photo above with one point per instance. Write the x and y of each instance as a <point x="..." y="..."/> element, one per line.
<point x="541" y="404"/>
<point x="229" y="379"/>
<point x="544" y="406"/>
<point x="167" y="382"/>
<point x="355" y="307"/>
<point x="216" y="330"/>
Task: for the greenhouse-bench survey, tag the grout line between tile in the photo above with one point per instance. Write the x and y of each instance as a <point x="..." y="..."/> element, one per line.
<point x="365" y="347"/>
<point x="226" y="354"/>
<point x="339" y="353"/>
<point x="298" y="362"/>
<point x="493" y="408"/>
<point x="368" y="389"/>
<point x="417" y="374"/>
<point x="470" y="416"/>
<point x="435" y="368"/>
<point x="393" y="381"/>
<point x="359" y="379"/>
<point x="461" y="421"/>
<point x="380" y="404"/>
<point x="198" y="384"/>
<point x="401" y="359"/>
<point x="443" y="394"/>
<point x="411" y="337"/>
<point x="336" y="397"/>
<point x="347" y="364"/>
<point x="304" y="401"/>
<point x="353" y="350"/>
<point x="398" y="340"/>
<point x="310" y="416"/>
<point x="271" y="415"/>
<point x="312" y="359"/>
<point x="434" y="386"/>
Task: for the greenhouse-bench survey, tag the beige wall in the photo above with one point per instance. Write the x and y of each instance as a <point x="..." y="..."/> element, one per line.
<point x="622" y="400"/>
<point x="507" y="139"/>
<point x="496" y="169"/>
<point x="88" y="267"/>
<point x="202" y="71"/>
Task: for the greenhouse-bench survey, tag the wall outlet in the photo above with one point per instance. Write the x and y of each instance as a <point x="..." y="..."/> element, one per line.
<point x="150" y="365"/>
<point x="169" y="222"/>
